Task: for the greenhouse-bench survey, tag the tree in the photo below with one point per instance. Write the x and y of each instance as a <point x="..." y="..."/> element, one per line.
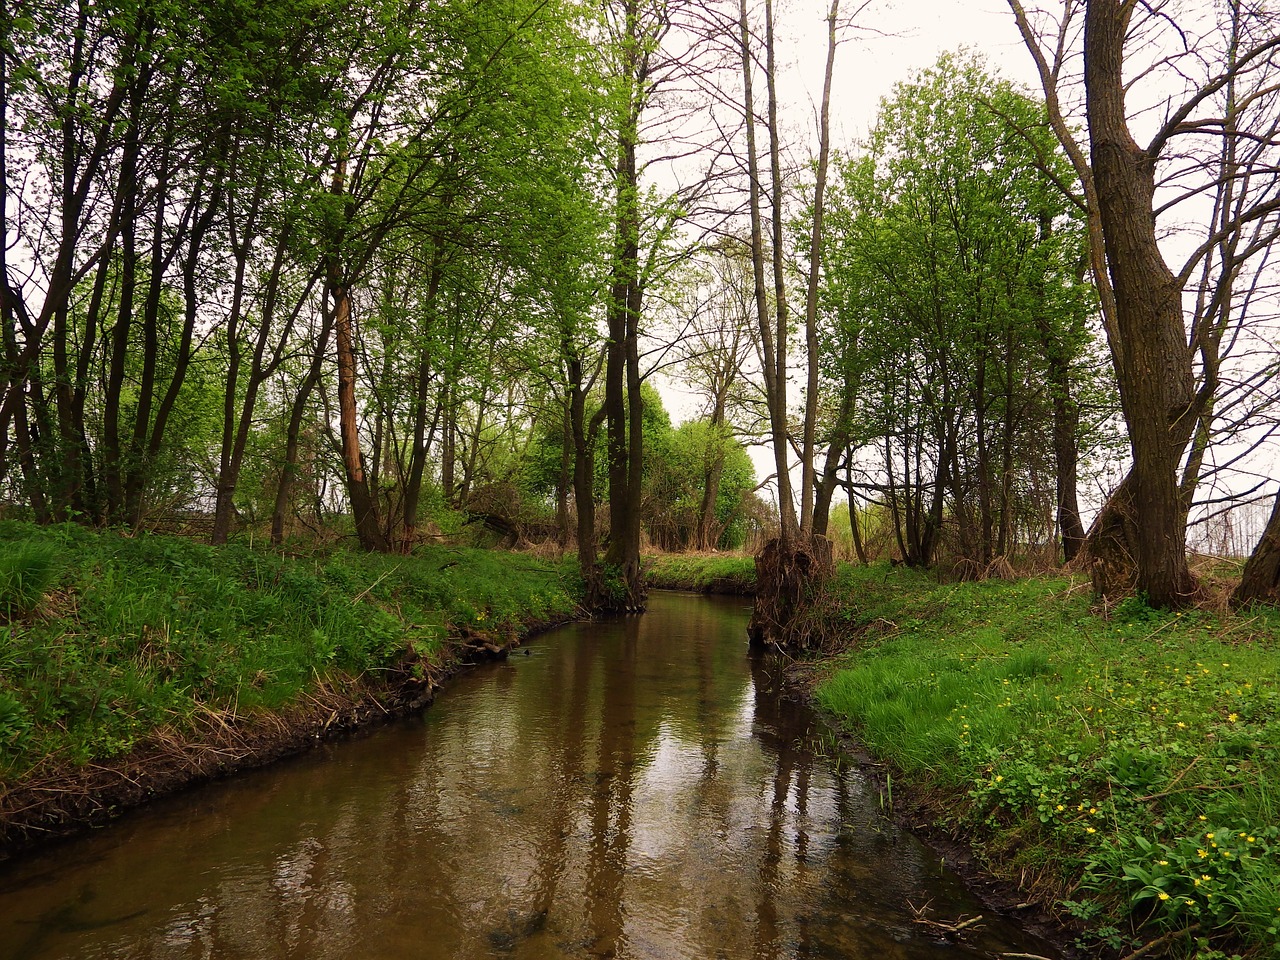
<point x="954" y="271"/>
<point x="714" y="347"/>
<point x="1222" y="72"/>
<point x="789" y="568"/>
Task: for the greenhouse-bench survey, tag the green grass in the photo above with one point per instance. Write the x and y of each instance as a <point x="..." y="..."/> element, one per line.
<point x="711" y="573"/>
<point x="131" y="633"/>
<point x="27" y="568"/>
<point x="1126" y="766"/>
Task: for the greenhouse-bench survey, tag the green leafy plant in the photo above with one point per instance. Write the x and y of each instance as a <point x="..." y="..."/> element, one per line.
<point x="27" y="569"/>
<point x="1123" y="764"/>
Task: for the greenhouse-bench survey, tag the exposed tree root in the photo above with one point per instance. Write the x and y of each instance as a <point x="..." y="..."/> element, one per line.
<point x="789" y="579"/>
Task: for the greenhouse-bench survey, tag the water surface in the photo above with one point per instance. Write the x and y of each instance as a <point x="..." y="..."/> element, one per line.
<point x="630" y="789"/>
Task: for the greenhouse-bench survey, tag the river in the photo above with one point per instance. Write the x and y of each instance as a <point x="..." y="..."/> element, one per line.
<point x="633" y="789"/>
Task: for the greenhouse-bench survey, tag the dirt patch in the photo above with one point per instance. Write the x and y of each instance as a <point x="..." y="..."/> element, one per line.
<point x="59" y="800"/>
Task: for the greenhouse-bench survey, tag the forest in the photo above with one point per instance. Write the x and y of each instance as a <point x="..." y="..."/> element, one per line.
<point x="322" y="270"/>
<point x="306" y="305"/>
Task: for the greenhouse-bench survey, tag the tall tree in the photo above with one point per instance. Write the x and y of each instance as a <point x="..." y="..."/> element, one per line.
<point x="1209" y="61"/>
<point x="789" y="568"/>
<point x="956" y="274"/>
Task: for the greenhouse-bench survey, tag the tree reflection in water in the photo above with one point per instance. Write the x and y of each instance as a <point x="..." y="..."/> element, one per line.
<point x="634" y="788"/>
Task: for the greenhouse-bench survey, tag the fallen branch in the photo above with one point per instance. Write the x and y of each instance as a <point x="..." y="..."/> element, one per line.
<point x="943" y="926"/>
<point x="1161" y="941"/>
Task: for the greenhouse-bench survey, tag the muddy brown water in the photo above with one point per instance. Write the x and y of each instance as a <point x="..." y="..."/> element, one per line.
<point x="630" y="789"/>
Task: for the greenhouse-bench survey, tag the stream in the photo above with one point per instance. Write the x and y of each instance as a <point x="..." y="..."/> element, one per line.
<point x="635" y="788"/>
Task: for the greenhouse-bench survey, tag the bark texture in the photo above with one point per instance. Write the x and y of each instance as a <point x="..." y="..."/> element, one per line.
<point x="1260" y="582"/>
<point x="1148" y="344"/>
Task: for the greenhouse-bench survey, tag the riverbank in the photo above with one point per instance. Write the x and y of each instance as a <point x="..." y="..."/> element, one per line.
<point x="714" y="573"/>
<point x="131" y="667"/>
<point x="1118" y="766"/>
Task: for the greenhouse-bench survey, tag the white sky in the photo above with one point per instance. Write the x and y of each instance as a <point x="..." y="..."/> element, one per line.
<point x="897" y="39"/>
<point x="894" y="40"/>
<point x="901" y="38"/>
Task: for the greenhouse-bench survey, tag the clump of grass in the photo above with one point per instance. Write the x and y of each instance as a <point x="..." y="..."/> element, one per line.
<point x="1128" y="765"/>
<point x="27" y="571"/>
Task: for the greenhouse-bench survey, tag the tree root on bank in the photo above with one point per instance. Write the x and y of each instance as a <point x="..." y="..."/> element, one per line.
<point x="789" y="581"/>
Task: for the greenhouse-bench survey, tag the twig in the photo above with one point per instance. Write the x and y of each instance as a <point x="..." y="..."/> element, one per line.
<point x="942" y="925"/>
<point x="1161" y="941"/>
<point x="1197" y="786"/>
<point x="365" y="592"/>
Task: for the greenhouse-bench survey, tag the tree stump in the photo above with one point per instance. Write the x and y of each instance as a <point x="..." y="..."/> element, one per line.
<point x="787" y="578"/>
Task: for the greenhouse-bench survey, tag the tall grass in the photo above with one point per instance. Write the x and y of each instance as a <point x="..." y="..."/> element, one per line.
<point x="718" y="573"/>
<point x="27" y="570"/>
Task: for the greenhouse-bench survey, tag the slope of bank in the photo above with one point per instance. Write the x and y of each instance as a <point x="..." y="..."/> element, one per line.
<point x="133" y="666"/>
<point x="722" y="573"/>
<point x="1121" y="766"/>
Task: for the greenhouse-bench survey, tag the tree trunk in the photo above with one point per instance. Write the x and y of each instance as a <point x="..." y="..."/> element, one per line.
<point x="1260" y="581"/>
<point x="773" y="350"/>
<point x="1149" y="348"/>
<point x="622" y="403"/>
<point x="840" y="433"/>
<point x="422" y="384"/>
<point x="1066" y="421"/>
<point x="855" y="528"/>
<point x="284" y="490"/>
<point x="565" y="479"/>
<point x="363" y="507"/>
<point x="708" y="533"/>
<point x="808" y="452"/>
<point x="795" y="564"/>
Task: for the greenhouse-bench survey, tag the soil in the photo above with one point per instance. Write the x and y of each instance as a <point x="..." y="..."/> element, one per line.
<point x="59" y="801"/>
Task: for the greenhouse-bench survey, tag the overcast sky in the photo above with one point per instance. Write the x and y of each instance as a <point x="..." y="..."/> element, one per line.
<point x="901" y="37"/>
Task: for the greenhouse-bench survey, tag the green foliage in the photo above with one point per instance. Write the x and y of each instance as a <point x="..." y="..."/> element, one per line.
<point x="1131" y="760"/>
<point x="709" y="574"/>
<point x="27" y="570"/>
<point x="679" y="472"/>
<point x="159" y="630"/>
<point x="955" y="303"/>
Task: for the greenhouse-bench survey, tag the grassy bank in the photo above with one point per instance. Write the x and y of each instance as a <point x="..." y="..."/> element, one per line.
<point x="115" y="648"/>
<point x="1121" y="766"/>
<point x="702" y="573"/>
